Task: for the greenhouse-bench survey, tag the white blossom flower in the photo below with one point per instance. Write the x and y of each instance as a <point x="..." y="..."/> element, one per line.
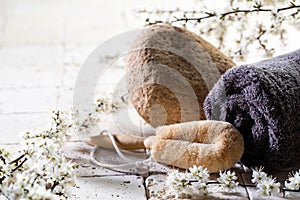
<point x="4" y="154"/>
<point x="177" y="179"/>
<point x="24" y="188"/>
<point x="200" y="173"/>
<point x="40" y="193"/>
<point x="178" y="183"/>
<point x="268" y="186"/>
<point x="258" y="175"/>
<point x="5" y="169"/>
<point x="293" y="183"/>
<point x="201" y="188"/>
<point x="85" y="120"/>
<point x="228" y="180"/>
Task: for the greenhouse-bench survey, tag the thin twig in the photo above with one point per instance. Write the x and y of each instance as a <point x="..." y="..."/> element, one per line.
<point x="3" y="159"/>
<point x="56" y="183"/>
<point x="258" y="38"/>
<point x="1" y="180"/>
<point x="222" y="15"/>
<point x="17" y="159"/>
<point x="20" y="165"/>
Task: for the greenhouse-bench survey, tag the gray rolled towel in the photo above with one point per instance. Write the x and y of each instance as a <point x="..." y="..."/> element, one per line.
<point x="262" y="100"/>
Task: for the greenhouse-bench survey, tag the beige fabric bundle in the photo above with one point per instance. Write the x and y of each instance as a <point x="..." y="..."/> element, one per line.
<point x="214" y="145"/>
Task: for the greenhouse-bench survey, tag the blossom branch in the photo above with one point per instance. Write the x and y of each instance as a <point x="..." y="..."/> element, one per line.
<point x="223" y="15"/>
<point x="20" y="165"/>
<point x="3" y="159"/>
<point x="56" y="183"/>
<point x="17" y="159"/>
<point x="240" y="184"/>
<point x="241" y="17"/>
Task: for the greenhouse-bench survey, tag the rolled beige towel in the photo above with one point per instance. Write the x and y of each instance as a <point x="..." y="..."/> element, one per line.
<point x="214" y="145"/>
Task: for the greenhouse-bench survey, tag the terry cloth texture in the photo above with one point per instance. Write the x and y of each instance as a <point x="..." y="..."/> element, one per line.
<point x="262" y="100"/>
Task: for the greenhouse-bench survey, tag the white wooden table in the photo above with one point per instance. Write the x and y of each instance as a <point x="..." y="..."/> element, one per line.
<point x="42" y="46"/>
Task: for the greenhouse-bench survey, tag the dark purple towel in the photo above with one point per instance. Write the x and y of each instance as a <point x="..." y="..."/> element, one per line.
<point x="262" y="100"/>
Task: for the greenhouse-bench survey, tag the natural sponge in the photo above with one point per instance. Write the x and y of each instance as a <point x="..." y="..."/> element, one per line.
<point x="215" y="145"/>
<point x="169" y="73"/>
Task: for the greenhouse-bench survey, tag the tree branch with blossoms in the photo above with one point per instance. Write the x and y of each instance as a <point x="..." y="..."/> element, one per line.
<point x="257" y="8"/>
<point x="195" y="181"/>
<point x="40" y="171"/>
<point x="238" y="26"/>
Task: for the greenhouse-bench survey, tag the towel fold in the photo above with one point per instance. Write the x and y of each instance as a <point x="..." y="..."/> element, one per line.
<point x="262" y="100"/>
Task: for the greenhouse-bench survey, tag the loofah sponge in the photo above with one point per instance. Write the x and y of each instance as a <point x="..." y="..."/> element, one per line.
<point x="214" y="145"/>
